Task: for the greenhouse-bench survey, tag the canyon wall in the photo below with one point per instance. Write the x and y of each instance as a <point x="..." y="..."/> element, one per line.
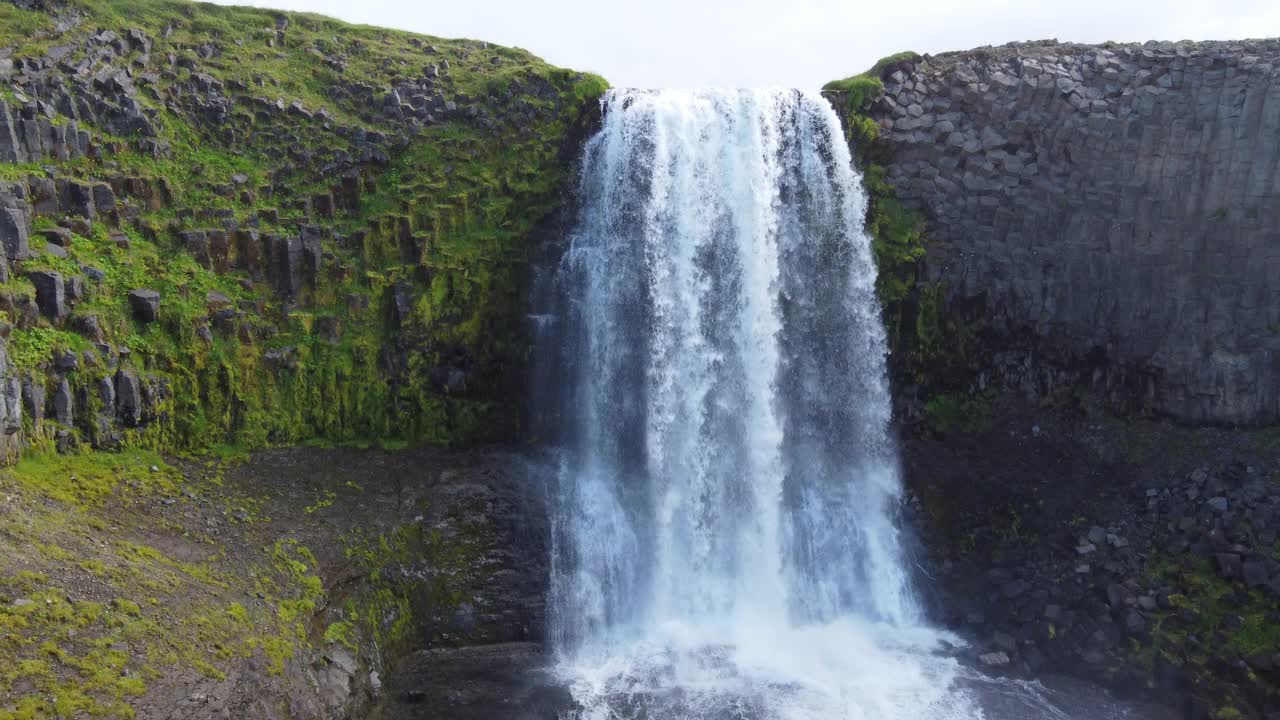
<point x="1107" y="214"/>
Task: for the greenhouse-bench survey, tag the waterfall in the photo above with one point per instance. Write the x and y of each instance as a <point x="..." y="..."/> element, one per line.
<point x="725" y="543"/>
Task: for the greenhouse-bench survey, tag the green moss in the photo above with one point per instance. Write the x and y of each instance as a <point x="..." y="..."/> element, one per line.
<point x="865" y="87"/>
<point x="343" y="632"/>
<point x="88" y="478"/>
<point x="931" y="346"/>
<point x="468" y="196"/>
<point x="963" y="413"/>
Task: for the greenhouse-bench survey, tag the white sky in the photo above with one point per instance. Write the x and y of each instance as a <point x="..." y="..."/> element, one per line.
<point x="799" y="43"/>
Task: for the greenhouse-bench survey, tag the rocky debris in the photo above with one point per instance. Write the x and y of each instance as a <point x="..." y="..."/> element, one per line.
<point x="1053" y="197"/>
<point x="145" y="305"/>
<point x="1169" y="573"/>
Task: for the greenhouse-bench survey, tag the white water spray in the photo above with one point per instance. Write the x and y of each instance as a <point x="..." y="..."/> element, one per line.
<point x="725" y="544"/>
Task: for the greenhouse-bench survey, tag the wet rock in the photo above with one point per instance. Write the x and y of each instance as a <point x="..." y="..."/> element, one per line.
<point x="994" y="659"/>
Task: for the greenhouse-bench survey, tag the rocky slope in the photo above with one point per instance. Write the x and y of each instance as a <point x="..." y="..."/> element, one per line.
<point x="226" y="225"/>
<point x="1100" y="217"/>
<point x="286" y="585"/>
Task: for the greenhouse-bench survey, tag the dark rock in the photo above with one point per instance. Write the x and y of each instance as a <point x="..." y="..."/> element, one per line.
<point x="75" y="288"/>
<point x="1135" y="623"/>
<point x="197" y="243"/>
<point x="57" y="236"/>
<point x="1030" y="151"/>
<point x="219" y="250"/>
<point x="66" y="361"/>
<point x="50" y="293"/>
<point x="1005" y="642"/>
<point x="15" y="220"/>
<point x="63" y="405"/>
<point x="1014" y="588"/>
<point x="285" y="265"/>
<point x="329" y="328"/>
<point x="145" y="305"/>
<point x="107" y="392"/>
<point x="281" y="359"/>
<point x="88" y="326"/>
<point x="1255" y="573"/>
<point x="1228" y="564"/>
<point x="34" y="398"/>
<point x="76" y="198"/>
<point x="128" y="399"/>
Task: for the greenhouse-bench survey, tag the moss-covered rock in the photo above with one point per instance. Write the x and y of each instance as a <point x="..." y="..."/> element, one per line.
<point x="333" y="222"/>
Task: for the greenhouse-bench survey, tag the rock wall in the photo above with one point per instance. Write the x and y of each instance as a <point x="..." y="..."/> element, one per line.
<point x="1114" y="212"/>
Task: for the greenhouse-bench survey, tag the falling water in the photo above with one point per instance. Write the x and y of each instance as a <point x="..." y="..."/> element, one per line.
<point x="724" y="535"/>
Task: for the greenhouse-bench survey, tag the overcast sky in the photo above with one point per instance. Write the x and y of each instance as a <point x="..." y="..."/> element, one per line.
<point x="800" y="43"/>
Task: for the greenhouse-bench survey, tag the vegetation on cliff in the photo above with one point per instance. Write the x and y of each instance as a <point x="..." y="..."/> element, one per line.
<point x="335" y="219"/>
<point x="223" y="228"/>
<point x="930" y="351"/>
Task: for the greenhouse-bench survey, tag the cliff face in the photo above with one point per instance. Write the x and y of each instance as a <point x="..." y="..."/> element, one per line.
<point x="1106" y="215"/>
<point x="230" y="225"/>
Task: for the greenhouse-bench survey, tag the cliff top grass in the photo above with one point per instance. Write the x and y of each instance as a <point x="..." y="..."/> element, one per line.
<point x="866" y="85"/>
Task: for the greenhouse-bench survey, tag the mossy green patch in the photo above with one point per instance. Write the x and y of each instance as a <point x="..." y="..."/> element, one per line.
<point x="449" y="215"/>
<point x="93" y="609"/>
<point x="88" y="478"/>
<point x="929" y="348"/>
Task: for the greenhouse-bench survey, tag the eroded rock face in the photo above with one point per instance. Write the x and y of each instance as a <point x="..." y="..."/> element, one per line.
<point x="1118" y="202"/>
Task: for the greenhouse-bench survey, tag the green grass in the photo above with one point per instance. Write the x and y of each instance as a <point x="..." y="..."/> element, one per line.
<point x="87" y="625"/>
<point x="865" y="86"/>
<point x="89" y="478"/>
